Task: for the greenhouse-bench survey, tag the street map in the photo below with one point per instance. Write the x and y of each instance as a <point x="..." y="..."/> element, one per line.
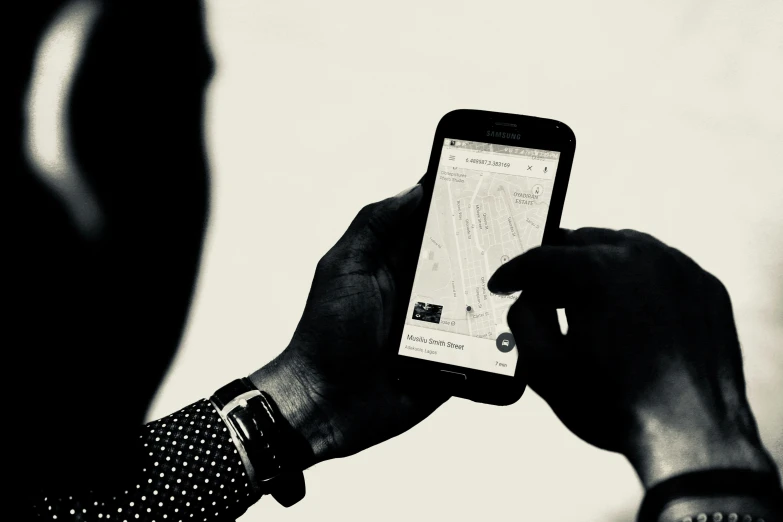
<point x="489" y="205"/>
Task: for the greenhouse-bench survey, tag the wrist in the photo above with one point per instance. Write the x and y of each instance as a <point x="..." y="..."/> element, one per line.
<point x="695" y="495"/>
<point x="285" y="384"/>
<point x="663" y="451"/>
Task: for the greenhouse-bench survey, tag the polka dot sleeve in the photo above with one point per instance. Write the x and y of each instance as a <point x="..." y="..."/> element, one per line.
<point x="190" y="471"/>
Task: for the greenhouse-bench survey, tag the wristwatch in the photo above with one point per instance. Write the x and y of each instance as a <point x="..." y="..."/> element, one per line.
<point x="264" y="440"/>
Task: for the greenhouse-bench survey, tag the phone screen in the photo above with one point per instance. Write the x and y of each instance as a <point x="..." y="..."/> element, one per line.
<point x="489" y="204"/>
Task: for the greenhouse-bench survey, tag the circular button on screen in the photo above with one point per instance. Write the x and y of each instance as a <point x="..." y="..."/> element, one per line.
<point x="505" y="342"/>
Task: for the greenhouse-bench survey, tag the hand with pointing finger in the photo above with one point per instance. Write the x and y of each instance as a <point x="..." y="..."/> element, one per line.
<point x="650" y="366"/>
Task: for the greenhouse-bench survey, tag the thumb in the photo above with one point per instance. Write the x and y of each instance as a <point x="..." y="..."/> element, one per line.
<point x="542" y="348"/>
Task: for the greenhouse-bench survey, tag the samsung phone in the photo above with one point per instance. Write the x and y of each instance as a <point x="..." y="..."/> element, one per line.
<point x="494" y="188"/>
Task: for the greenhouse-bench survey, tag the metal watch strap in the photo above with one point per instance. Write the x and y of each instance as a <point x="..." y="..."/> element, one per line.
<point x="258" y="426"/>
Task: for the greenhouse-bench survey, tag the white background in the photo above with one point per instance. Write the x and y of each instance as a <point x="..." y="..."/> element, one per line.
<point x="320" y="107"/>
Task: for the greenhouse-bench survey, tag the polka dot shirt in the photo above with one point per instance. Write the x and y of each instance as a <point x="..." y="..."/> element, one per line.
<point x="191" y="471"/>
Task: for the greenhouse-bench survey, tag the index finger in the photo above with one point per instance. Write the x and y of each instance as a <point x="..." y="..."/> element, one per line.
<point x="559" y="275"/>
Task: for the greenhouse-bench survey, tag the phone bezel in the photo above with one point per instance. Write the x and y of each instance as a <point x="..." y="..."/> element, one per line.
<point x="472" y="125"/>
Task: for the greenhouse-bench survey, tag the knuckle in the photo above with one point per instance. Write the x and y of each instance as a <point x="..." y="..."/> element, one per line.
<point x="369" y="223"/>
<point x="630" y="233"/>
<point x="325" y="263"/>
<point x="376" y="226"/>
<point x="365" y="214"/>
<point x="716" y="286"/>
<point x="634" y="235"/>
<point x="590" y="231"/>
<point x="686" y="269"/>
<point x="590" y="235"/>
<point x="640" y="246"/>
<point x="359" y="222"/>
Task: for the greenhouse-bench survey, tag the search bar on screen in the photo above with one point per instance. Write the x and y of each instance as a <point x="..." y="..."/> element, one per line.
<point x="499" y="163"/>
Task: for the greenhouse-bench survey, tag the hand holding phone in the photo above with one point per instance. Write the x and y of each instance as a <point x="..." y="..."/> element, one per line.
<point x="332" y="382"/>
<point x="494" y="189"/>
<point x="333" y="379"/>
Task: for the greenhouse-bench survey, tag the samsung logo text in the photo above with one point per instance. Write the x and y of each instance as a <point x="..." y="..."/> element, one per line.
<point x="503" y="135"/>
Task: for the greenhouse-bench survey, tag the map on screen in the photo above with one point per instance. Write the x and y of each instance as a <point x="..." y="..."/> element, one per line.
<point x="489" y="205"/>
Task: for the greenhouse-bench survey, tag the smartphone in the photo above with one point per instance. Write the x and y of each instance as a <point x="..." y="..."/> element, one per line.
<point x="494" y="188"/>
